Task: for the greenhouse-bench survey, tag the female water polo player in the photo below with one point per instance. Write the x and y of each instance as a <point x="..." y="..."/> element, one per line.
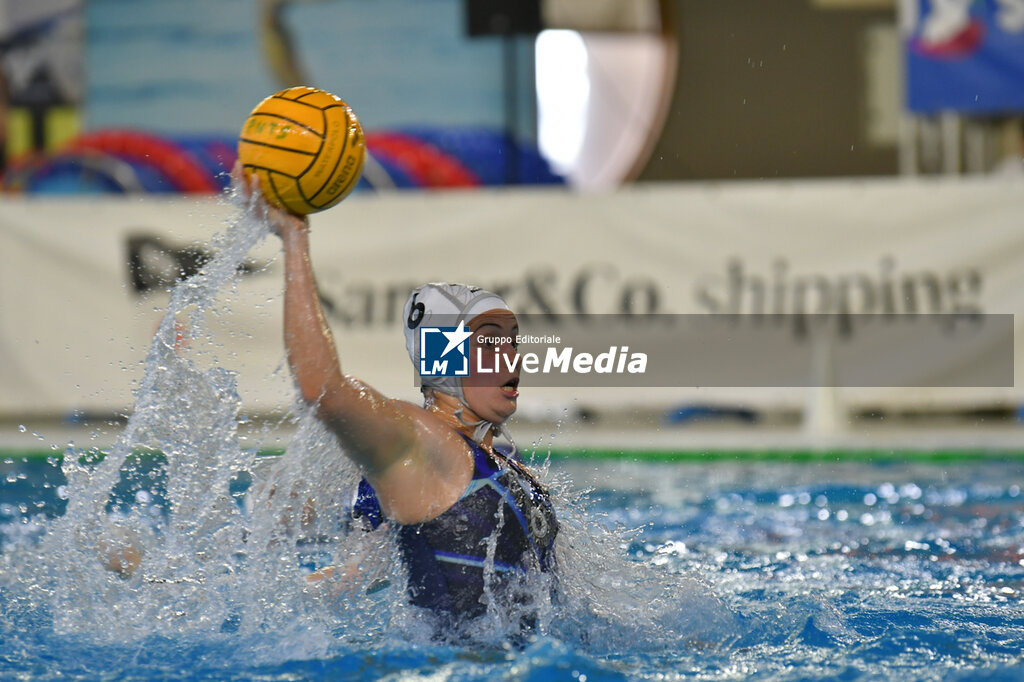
<point x="474" y="527"/>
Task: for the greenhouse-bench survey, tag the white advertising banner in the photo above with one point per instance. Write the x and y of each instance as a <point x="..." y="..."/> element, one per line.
<point x="84" y="282"/>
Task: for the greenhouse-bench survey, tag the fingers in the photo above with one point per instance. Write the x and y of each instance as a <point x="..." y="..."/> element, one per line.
<point x="281" y="221"/>
<point x="239" y="179"/>
<point x="247" y="184"/>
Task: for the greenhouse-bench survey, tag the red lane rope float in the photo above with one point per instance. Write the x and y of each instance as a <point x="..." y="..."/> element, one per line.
<point x="424" y="163"/>
<point x="182" y="170"/>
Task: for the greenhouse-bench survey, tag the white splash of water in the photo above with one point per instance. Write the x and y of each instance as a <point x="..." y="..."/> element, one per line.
<point x="202" y="566"/>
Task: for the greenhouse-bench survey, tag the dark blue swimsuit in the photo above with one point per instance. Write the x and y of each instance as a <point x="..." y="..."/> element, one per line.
<point x="447" y="557"/>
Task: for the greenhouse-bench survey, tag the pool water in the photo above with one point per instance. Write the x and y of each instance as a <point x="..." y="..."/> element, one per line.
<point x="773" y="570"/>
<point x="728" y="569"/>
<point x="858" y="570"/>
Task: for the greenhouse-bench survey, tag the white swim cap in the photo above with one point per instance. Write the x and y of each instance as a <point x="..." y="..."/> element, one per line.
<point x="444" y="305"/>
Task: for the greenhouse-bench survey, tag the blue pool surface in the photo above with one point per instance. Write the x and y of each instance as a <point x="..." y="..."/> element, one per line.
<point x="772" y="570"/>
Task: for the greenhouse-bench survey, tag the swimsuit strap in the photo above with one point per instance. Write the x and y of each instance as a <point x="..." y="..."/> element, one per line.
<point x="535" y="490"/>
<point x="483" y="466"/>
<point x="539" y="490"/>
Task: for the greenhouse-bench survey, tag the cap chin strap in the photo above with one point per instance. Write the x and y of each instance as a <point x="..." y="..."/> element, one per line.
<point x="481" y="427"/>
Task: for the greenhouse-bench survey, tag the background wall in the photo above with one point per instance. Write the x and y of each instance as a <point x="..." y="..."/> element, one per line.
<point x="190" y="65"/>
<point x="683" y="91"/>
<point x="770" y="89"/>
<point x="769" y="249"/>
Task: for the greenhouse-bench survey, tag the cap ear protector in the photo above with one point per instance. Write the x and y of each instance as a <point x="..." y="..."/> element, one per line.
<point x="440" y="304"/>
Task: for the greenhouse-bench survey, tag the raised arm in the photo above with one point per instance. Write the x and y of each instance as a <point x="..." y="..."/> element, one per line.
<point x="416" y="463"/>
<point x="376" y="431"/>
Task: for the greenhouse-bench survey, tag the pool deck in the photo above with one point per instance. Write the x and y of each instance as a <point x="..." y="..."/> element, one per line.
<point x="621" y="436"/>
